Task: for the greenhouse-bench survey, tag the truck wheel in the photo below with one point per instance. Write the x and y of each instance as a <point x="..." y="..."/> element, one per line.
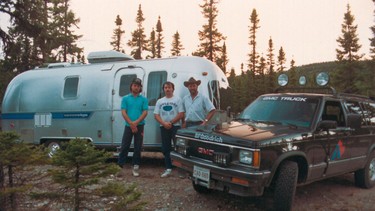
<point x="365" y="178"/>
<point x="52" y="147"/>
<point x="285" y="185"/>
<point x="201" y="189"/>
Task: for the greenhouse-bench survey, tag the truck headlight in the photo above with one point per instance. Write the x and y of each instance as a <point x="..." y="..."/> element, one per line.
<point x="246" y="157"/>
<point x="181" y="146"/>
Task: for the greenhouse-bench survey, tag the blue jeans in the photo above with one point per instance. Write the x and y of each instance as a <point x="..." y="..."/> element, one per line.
<point x="126" y="142"/>
<point x="166" y="144"/>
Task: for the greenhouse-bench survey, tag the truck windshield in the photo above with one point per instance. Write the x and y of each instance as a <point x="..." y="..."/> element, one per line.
<point x="286" y="110"/>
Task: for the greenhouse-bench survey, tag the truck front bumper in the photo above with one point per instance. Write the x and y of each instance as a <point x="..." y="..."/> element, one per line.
<point x="241" y="182"/>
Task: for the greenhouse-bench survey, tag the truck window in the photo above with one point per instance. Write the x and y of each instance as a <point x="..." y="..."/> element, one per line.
<point x="333" y="111"/>
<point x="369" y="113"/>
<point x="154" y="86"/>
<point x="125" y="82"/>
<point x="355" y="108"/>
<point x="71" y="87"/>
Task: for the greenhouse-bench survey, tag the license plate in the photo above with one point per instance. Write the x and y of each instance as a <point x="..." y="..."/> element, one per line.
<point x="201" y="173"/>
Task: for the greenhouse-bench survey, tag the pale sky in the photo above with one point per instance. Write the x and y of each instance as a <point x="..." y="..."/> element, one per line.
<point x="306" y="29"/>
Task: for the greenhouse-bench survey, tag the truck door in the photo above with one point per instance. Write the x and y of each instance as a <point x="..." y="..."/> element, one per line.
<point x="123" y="79"/>
<point x="334" y="144"/>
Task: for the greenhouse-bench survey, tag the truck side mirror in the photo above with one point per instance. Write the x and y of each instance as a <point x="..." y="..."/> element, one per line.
<point x="354" y="121"/>
<point x="327" y="124"/>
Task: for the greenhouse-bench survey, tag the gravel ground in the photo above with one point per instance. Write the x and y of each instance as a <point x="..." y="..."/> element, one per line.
<point x="174" y="193"/>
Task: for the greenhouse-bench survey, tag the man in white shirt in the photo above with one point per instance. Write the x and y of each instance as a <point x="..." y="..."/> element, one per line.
<point x="197" y="107"/>
<point x="168" y="112"/>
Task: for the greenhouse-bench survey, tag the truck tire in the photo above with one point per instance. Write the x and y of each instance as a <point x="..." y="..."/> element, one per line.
<point x="285" y="185"/>
<point x="201" y="189"/>
<point x="365" y="178"/>
<point x="52" y="147"/>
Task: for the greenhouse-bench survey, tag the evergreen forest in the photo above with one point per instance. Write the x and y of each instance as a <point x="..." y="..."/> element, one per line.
<point x="44" y="31"/>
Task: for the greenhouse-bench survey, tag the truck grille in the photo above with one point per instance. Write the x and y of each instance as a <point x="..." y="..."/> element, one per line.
<point x="210" y="152"/>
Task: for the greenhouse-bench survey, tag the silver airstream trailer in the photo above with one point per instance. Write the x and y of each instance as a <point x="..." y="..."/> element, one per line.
<point x="63" y="101"/>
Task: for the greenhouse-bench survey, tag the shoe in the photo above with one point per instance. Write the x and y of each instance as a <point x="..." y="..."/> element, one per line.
<point x="166" y="173"/>
<point x="135" y="170"/>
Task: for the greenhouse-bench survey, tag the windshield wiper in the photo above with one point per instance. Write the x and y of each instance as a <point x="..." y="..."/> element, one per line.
<point x="242" y="119"/>
<point x="268" y="122"/>
<point x="293" y="126"/>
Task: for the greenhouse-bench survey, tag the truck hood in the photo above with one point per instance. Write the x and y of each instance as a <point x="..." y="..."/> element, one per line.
<point x="243" y="134"/>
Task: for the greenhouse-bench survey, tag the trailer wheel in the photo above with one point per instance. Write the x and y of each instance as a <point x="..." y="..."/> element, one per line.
<point x="285" y="185"/>
<point x="52" y="147"/>
<point x="201" y="189"/>
<point x="365" y="178"/>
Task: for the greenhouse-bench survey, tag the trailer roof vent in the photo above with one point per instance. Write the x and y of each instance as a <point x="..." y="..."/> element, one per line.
<point x="107" y="56"/>
<point x="58" y="65"/>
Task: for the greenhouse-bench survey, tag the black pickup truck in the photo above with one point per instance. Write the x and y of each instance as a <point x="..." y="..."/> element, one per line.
<point x="279" y="141"/>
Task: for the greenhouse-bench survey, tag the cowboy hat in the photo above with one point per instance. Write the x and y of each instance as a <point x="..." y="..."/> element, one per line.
<point x="192" y="81"/>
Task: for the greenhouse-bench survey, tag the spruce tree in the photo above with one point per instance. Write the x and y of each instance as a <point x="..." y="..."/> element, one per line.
<point x="347" y="55"/>
<point x="80" y="170"/>
<point x="210" y="38"/>
<point x="253" y="78"/>
<point x="17" y="169"/>
<point x="292" y="73"/>
<point x="271" y="64"/>
<point x="41" y="31"/>
<point x="228" y="95"/>
<point x="223" y="60"/>
<point x="152" y="45"/>
<point x="253" y="56"/>
<point x="64" y="39"/>
<point x="28" y="25"/>
<point x="159" y="39"/>
<point x="138" y="42"/>
<point x="177" y="46"/>
<point x="348" y="41"/>
<point x="116" y="42"/>
<point x="281" y="60"/>
<point x="261" y="79"/>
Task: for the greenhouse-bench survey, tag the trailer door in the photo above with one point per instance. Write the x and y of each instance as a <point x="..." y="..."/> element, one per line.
<point x="123" y="79"/>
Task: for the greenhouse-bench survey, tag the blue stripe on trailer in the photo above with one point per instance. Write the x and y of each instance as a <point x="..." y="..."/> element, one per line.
<point x="55" y="115"/>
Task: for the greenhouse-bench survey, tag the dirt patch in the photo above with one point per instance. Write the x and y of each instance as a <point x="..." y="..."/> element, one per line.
<point x="174" y="193"/>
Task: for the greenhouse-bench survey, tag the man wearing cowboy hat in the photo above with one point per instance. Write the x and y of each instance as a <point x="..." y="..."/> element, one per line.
<point x="197" y="107"/>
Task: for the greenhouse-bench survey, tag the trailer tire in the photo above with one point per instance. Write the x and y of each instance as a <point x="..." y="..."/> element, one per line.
<point x="52" y="147"/>
<point x="365" y="178"/>
<point x="285" y="185"/>
<point x="201" y="189"/>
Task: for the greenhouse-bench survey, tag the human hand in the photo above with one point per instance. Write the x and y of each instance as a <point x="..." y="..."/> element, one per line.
<point x="167" y="125"/>
<point x="133" y="127"/>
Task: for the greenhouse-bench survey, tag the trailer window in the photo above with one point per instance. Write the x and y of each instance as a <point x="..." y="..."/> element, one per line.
<point x="214" y="95"/>
<point x="154" y="86"/>
<point x="125" y="82"/>
<point x="71" y="87"/>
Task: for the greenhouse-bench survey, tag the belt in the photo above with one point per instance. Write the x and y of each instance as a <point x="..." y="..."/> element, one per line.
<point x="194" y="122"/>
